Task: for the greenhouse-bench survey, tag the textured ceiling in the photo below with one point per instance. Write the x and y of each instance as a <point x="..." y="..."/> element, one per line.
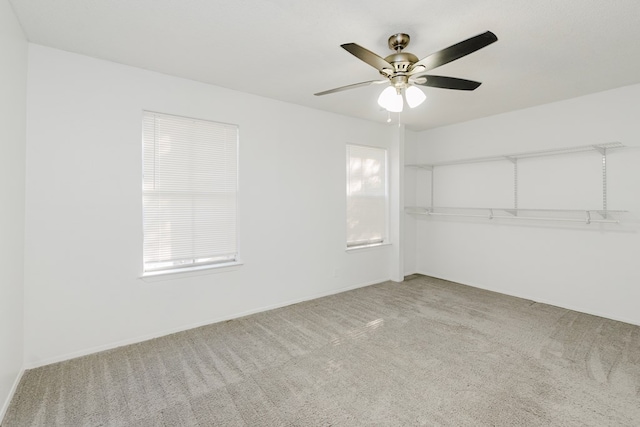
<point x="547" y="50"/>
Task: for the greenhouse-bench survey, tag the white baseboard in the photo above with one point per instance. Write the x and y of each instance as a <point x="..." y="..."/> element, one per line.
<point x="535" y="299"/>
<point x="12" y="392"/>
<point x="85" y="352"/>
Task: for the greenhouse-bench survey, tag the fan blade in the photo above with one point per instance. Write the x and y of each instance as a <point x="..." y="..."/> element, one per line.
<point x="446" y="82"/>
<point x="353" y="86"/>
<point x="454" y="52"/>
<point x="369" y="57"/>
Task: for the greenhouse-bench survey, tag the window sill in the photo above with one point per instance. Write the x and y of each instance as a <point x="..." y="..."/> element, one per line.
<point x="367" y="247"/>
<point x="178" y="273"/>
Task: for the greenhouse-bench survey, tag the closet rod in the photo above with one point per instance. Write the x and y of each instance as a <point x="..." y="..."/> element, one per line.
<point x="588" y="220"/>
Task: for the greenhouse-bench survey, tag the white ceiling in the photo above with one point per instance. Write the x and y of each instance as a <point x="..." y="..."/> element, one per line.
<point x="547" y="50"/>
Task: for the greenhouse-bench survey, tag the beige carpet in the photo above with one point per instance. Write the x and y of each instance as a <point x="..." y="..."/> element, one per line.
<point x="424" y="352"/>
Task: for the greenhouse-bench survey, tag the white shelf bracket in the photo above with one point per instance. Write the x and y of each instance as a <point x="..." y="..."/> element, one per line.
<point x="514" y="160"/>
<point x="603" y="152"/>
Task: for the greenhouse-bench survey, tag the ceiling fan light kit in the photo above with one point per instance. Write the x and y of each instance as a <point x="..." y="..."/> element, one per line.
<point x="403" y="70"/>
<point x="391" y="98"/>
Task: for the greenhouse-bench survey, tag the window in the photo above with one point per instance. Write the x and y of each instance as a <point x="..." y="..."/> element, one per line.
<point x="190" y="188"/>
<point x="367" y="196"/>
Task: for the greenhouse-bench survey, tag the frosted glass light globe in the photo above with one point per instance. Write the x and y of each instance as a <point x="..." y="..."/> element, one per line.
<point x="391" y="100"/>
<point x="414" y="96"/>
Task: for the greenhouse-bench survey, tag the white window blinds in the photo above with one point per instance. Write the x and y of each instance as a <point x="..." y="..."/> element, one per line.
<point x="367" y="196"/>
<point x="190" y="189"/>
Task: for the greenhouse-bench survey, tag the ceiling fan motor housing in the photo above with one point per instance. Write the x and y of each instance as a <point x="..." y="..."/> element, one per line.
<point x="400" y="60"/>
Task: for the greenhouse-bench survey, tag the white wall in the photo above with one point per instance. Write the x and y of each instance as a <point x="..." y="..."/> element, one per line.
<point x="590" y="268"/>
<point x="411" y="177"/>
<point x="84" y="236"/>
<point x="396" y="199"/>
<point x="13" y="84"/>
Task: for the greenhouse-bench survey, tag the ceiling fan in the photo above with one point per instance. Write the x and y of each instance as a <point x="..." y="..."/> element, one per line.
<point x="403" y="70"/>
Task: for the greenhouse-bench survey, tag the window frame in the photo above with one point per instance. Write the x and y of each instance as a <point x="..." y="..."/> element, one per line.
<point x="385" y="240"/>
<point x="223" y="265"/>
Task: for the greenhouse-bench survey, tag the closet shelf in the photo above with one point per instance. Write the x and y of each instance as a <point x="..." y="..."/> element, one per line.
<point x="601" y="148"/>
<point x="562" y="215"/>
